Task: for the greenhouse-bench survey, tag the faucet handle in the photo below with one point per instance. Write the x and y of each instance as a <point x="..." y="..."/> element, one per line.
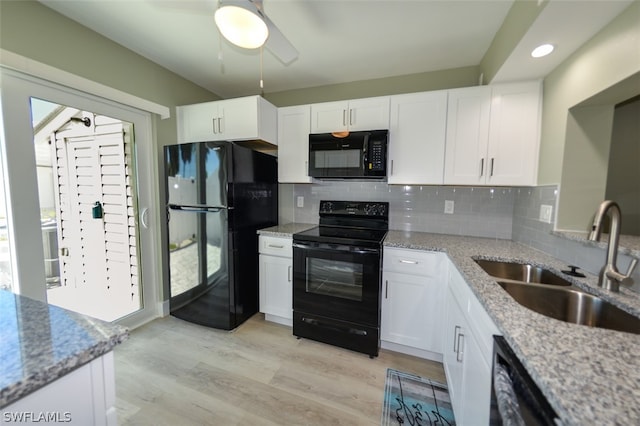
<point x="625" y="279"/>
<point x="632" y="267"/>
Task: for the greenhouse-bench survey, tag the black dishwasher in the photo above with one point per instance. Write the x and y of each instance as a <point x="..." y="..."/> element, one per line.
<point x="515" y="398"/>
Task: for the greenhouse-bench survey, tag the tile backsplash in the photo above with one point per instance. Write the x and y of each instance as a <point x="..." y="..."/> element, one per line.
<point x="501" y="213"/>
<point x="477" y="211"/>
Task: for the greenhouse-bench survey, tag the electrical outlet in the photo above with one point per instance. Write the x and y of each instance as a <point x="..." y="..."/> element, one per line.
<point x="545" y="213"/>
<point x="300" y="201"/>
<point x="448" y="206"/>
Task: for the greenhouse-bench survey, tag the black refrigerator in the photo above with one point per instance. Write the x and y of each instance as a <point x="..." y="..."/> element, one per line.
<point x="219" y="194"/>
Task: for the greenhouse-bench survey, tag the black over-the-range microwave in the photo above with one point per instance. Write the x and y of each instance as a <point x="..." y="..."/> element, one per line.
<point x="348" y="155"/>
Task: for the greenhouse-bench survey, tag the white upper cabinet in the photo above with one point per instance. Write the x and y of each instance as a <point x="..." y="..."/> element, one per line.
<point x="293" y="144"/>
<point x="417" y="131"/>
<point x="353" y="115"/>
<point x="247" y="118"/>
<point x="514" y="134"/>
<point x="493" y="135"/>
<point x="467" y="135"/>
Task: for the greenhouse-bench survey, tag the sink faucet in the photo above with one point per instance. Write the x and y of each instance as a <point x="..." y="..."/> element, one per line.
<point x="610" y="278"/>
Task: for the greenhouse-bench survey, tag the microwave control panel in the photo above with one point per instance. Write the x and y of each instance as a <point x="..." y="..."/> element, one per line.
<point x="377" y="158"/>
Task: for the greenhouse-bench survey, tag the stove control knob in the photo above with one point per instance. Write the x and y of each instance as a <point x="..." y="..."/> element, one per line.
<point x="326" y="207"/>
<point x="371" y="209"/>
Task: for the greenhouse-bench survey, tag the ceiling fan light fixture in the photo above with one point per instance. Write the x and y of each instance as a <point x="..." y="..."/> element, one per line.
<point x="241" y="26"/>
<point x="542" y="50"/>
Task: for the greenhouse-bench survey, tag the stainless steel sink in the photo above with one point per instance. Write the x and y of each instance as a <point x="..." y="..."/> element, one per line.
<point x="521" y="272"/>
<point x="571" y="305"/>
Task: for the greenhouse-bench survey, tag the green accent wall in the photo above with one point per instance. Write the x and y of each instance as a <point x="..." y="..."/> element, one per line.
<point x="577" y="115"/>
<point x="435" y="80"/>
<point x="36" y="32"/>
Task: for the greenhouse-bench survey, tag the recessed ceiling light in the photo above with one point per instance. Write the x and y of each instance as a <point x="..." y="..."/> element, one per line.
<point x="542" y="50"/>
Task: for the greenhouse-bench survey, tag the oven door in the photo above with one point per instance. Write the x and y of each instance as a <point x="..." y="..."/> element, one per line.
<point x="336" y="281"/>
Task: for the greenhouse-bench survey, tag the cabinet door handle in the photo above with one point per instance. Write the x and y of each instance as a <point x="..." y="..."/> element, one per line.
<point x="411" y="262"/>
<point x="460" y="354"/>
<point x="386" y="289"/>
<point x="344" y="117"/>
<point x="491" y="174"/>
<point x="391" y="167"/>
<point x="455" y="338"/>
<point x="481" y="167"/>
<point x="351" y="114"/>
<point x="274" y="246"/>
<point x="289" y="273"/>
<point x="220" y="125"/>
<point x="213" y="122"/>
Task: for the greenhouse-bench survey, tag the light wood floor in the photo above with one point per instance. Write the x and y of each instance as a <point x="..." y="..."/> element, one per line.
<point x="171" y="372"/>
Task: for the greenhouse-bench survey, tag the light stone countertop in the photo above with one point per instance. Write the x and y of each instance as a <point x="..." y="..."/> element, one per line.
<point x="589" y="375"/>
<point x="286" y="230"/>
<point x="629" y="244"/>
<point x="40" y="343"/>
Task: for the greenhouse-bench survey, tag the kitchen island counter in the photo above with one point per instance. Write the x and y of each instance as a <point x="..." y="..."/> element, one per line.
<point x="41" y="343"/>
<point x="589" y="375"/>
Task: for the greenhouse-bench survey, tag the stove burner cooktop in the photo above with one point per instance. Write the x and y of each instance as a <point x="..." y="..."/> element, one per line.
<point x="342" y="235"/>
<point x="361" y="223"/>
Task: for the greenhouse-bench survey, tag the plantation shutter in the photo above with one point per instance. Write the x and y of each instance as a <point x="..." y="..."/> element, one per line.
<point x="99" y="255"/>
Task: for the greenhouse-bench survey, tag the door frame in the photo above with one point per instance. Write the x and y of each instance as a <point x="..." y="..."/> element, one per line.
<point x="23" y="209"/>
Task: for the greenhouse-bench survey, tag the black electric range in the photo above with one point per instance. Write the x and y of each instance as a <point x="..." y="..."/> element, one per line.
<point x="337" y="275"/>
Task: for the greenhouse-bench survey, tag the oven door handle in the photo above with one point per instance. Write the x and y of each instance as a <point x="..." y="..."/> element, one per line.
<point x="328" y="249"/>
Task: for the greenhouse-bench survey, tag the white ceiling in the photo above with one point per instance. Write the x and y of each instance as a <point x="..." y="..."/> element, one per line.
<point x="338" y="41"/>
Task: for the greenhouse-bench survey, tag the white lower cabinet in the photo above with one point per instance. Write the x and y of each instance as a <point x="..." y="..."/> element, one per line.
<point x="85" y="396"/>
<point x="468" y="350"/>
<point x="276" y="279"/>
<point x="413" y="288"/>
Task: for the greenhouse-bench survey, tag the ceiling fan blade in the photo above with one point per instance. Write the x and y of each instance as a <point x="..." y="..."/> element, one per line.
<point x="278" y="44"/>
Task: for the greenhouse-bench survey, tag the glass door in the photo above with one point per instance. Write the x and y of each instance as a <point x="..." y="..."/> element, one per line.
<point x="6" y="277"/>
<point x="36" y="193"/>
<point x="88" y="209"/>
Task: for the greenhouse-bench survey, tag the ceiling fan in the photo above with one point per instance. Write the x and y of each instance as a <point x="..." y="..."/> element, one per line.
<point x="276" y="42"/>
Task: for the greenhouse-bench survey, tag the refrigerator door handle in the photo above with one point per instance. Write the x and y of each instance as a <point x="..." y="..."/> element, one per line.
<point x="198" y="208"/>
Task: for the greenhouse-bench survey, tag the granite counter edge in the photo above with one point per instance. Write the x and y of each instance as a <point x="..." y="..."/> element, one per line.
<point x="42" y="378"/>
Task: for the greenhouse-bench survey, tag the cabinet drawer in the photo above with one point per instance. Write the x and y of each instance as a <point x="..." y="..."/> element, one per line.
<point x="275" y="246"/>
<point x="415" y="262"/>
